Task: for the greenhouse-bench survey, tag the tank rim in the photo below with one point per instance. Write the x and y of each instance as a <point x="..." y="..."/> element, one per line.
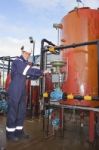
<point x="79" y="9"/>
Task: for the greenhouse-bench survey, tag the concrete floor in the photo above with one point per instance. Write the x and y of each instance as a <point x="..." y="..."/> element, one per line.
<point x="75" y="137"/>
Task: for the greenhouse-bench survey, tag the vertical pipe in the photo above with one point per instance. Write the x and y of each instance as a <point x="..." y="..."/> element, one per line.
<point x="9" y="61"/>
<point x="3" y="72"/>
<point x="33" y="51"/>
<point x="98" y="64"/>
<point x="43" y="59"/>
<point x="43" y="65"/>
<point x="58" y="42"/>
<point x="61" y="117"/>
<point x="91" y="126"/>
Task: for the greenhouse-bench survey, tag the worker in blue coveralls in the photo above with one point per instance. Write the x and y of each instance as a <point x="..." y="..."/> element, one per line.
<point x="17" y="95"/>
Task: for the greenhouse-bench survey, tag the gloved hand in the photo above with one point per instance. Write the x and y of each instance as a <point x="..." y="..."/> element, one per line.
<point x="46" y="72"/>
<point x="30" y="63"/>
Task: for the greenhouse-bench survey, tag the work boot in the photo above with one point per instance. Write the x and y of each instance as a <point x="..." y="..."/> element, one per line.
<point x="24" y="136"/>
<point x="21" y="135"/>
<point x="11" y="136"/>
<point x="14" y="138"/>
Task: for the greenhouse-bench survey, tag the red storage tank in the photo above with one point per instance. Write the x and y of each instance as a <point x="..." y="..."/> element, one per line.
<point x="81" y="25"/>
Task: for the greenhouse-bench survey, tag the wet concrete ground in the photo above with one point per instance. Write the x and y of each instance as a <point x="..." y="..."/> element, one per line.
<point x="75" y="137"/>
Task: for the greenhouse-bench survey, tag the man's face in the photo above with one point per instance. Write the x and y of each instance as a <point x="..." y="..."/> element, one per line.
<point x="26" y="55"/>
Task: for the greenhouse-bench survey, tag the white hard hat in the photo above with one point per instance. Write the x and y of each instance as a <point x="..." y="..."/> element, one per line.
<point x="26" y="49"/>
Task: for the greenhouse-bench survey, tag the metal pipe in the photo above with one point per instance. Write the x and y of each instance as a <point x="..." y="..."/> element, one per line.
<point x="6" y="58"/>
<point x="43" y="65"/>
<point x="3" y="72"/>
<point x="76" y="45"/>
<point x="9" y="62"/>
<point x="5" y="65"/>
<point x="33" y="51"/>
<point x="91" y="126"/>
<point x="98" y="64"/>
<point x="42" y="61"/>
<point x="66" y="96"/>
<point x="2" y="68"/>
<point x="80" y="97"/>
<point x="33" y="42"/>
<point x="57" y="104"/>
<point x="43" y="51"/>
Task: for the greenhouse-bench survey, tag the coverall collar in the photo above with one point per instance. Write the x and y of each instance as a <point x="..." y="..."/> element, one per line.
<point x="23" y="58"/>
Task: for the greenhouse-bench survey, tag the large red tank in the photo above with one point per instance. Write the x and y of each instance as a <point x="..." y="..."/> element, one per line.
<point x="81" y="25"/>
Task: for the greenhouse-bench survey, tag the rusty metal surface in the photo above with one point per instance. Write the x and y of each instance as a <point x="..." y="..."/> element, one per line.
<point x="80" y="26"/>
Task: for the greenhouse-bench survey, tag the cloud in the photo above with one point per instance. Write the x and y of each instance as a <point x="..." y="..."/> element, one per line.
<point x="9" y="46"/>
<point x="42" y="13"/>
<point x="12" y="29"/>
<point x="12" y="36"/>
<point x="2" y="17"/>
<point x="91" y="3"/>
<point x="51" y="4"/>
<point x="47" y="7"/>
<point x="41" y="3"/>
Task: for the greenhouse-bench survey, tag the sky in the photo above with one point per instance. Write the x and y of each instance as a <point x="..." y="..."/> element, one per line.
<point x="20" y="19"/>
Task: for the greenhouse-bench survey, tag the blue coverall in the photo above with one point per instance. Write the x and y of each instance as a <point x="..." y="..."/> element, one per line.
<point x="17" y="94"/>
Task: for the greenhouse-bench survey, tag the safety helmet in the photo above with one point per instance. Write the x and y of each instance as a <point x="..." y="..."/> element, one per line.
<point x="26" y="49"/>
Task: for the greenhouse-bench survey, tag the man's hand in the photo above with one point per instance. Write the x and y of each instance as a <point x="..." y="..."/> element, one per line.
<point x="46" y="72"/>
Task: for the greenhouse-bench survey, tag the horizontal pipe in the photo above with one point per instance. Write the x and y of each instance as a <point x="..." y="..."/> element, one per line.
<point x="76" y="45"/>
<point x="56" y="49"/>
<point x="7" y="58"/>
<point x="80" y="97"/>
<point x="3" y="68"/>
<point x="71" y="97"/>
<point x="57" y="104"/>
